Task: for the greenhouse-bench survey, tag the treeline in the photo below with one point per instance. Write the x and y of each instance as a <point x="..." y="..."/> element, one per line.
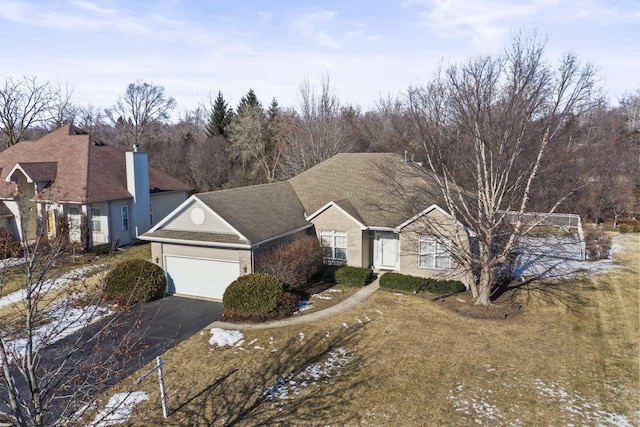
<point x="594" y="170"/>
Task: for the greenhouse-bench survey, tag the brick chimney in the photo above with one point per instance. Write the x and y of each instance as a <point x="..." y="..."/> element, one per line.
<point x="138" y="186"/>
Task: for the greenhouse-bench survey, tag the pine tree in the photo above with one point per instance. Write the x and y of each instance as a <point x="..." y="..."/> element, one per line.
<point x="220" y="118"/>
<point x="249" y="100"/>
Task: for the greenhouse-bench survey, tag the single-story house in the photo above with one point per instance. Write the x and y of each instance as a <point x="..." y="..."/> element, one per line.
<point x="355" y="203"/>
<point x="67" y="175"/>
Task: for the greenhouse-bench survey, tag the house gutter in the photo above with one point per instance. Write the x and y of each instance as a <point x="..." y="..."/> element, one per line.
<point x="381" y="229"/>
<point x="195" y="242"/>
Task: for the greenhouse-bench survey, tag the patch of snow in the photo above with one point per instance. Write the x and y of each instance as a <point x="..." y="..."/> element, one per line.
<point x="258" y="347"/>
<point x="48" y="285"/>
<point x="556" y="256"/>
<point x="320" y="296"/>
<point x="274" y="350"/>
<point x="224" y="337"/>
<point x="359" y="321"/>
<point x="118" y="409"/>
<point x="253" y="341"/>
<point x="476" y="403"/>
<point x="344" y="325"/>
<point x="333" y="290"/>
<point x="301" y="335"/>
<point x="61" y="320"/>
<point x="304" y="306"/>
<point x="11" y="262"/>
<point x="292" y="384"/>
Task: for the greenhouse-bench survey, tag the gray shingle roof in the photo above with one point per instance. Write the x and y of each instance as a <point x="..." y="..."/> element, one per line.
<point x="377" y="189"/>
<point x="196" y="236"/>
<point x="258" y="212"/>
<point x="381" y="188"/>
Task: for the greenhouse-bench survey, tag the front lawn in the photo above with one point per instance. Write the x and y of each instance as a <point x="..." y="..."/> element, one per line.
<point x="401" y="360"/>
<point x="79" y="272"/>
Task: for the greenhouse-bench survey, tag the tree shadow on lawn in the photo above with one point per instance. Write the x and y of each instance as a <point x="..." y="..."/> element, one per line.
<point x="304" y="383"/>
<point x="552" y="284"/>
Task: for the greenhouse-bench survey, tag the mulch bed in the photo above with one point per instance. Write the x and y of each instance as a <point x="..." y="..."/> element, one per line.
<point x="501" y="309"/>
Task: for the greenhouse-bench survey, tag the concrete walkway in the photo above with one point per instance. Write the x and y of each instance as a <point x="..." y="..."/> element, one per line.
<point x="352" y="301"/>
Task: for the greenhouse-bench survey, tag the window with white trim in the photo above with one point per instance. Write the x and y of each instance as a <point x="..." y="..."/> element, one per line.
<point x="434" y="253"/>
<point x="124" y="211"/>
<point x="336" y="243"/>
<point x="96" y="224"/>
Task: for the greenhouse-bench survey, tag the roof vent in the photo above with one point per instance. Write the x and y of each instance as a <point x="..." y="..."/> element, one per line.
<point x="135" y="148"/>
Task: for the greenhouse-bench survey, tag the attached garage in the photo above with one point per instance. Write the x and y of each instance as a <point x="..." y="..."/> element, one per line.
<point x="198" y="276"/>
<point x="212" y="238"/>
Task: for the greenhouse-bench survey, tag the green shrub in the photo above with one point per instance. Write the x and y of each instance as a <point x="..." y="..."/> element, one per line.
<point x="255" y="294"/>
<point x="624" y="228"/>
<point x="402" y="282"/>
<point x="636" y="228"/>
<point x="135" y="281"/>
<point x="293" y="263"/>
<point x="441" y="287"/>
<point x="353" y="276"/>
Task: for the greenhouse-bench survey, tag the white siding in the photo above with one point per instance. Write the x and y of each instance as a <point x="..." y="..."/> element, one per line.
<point x="182" y="221"/>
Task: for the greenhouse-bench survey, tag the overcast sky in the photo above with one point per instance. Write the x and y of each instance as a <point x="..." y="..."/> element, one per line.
<point x="368" y="48"/>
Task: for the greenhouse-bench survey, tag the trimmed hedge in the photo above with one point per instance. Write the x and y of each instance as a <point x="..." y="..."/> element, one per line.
<point x="441" y="287"/>
<point x="353" y="276"/>
<point x="404" y="282"/>
<point x="401" y="282"/>
<point x="135" y="281"/>
<point x="255" y="294"/>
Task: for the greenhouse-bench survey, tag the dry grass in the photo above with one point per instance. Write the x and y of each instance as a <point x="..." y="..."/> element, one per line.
<point x="412" y="362"/>
<point x="13" y="278"/>
<point x="328" y="297"/>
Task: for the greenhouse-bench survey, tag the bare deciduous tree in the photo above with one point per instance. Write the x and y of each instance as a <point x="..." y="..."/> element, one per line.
<point x="250" y="136"/>
<point x="500" y="115"/>
<point x="62" y="110"/>
<point x="319" y="131"/>
<point x="143" y="106"/>
<point x="24" y="102"/>
<point x="53" y="357"/>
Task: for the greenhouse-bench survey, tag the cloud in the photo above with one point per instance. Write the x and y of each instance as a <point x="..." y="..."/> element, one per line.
<point x="610" y="13"/>
<point x="307" y="25"/>
<point x="484" y="21"/>
<point x="264" y="16"/>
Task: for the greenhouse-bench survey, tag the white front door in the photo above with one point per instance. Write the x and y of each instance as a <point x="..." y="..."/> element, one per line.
<point x="387" y="249"/>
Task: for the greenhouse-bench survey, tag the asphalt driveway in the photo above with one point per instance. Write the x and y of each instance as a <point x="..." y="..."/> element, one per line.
<point x="115" y="347"/>
<point x="167" y="322"/>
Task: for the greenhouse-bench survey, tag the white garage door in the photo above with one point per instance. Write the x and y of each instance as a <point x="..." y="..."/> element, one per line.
<point x="199" y="277"/>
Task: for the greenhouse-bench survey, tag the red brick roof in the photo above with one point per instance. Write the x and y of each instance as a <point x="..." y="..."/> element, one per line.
<point x="84" y="172"/>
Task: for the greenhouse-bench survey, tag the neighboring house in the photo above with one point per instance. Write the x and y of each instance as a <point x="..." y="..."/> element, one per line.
<point x="66" y="175"/>
<point x="354" y="203"/>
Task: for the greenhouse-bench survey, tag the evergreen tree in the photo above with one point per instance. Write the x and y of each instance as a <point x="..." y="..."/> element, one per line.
<point x="220" y="118"/>
<point x="249" y="100"/>
<point x="274" y="110"/>
<point x="272" y="117"/>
